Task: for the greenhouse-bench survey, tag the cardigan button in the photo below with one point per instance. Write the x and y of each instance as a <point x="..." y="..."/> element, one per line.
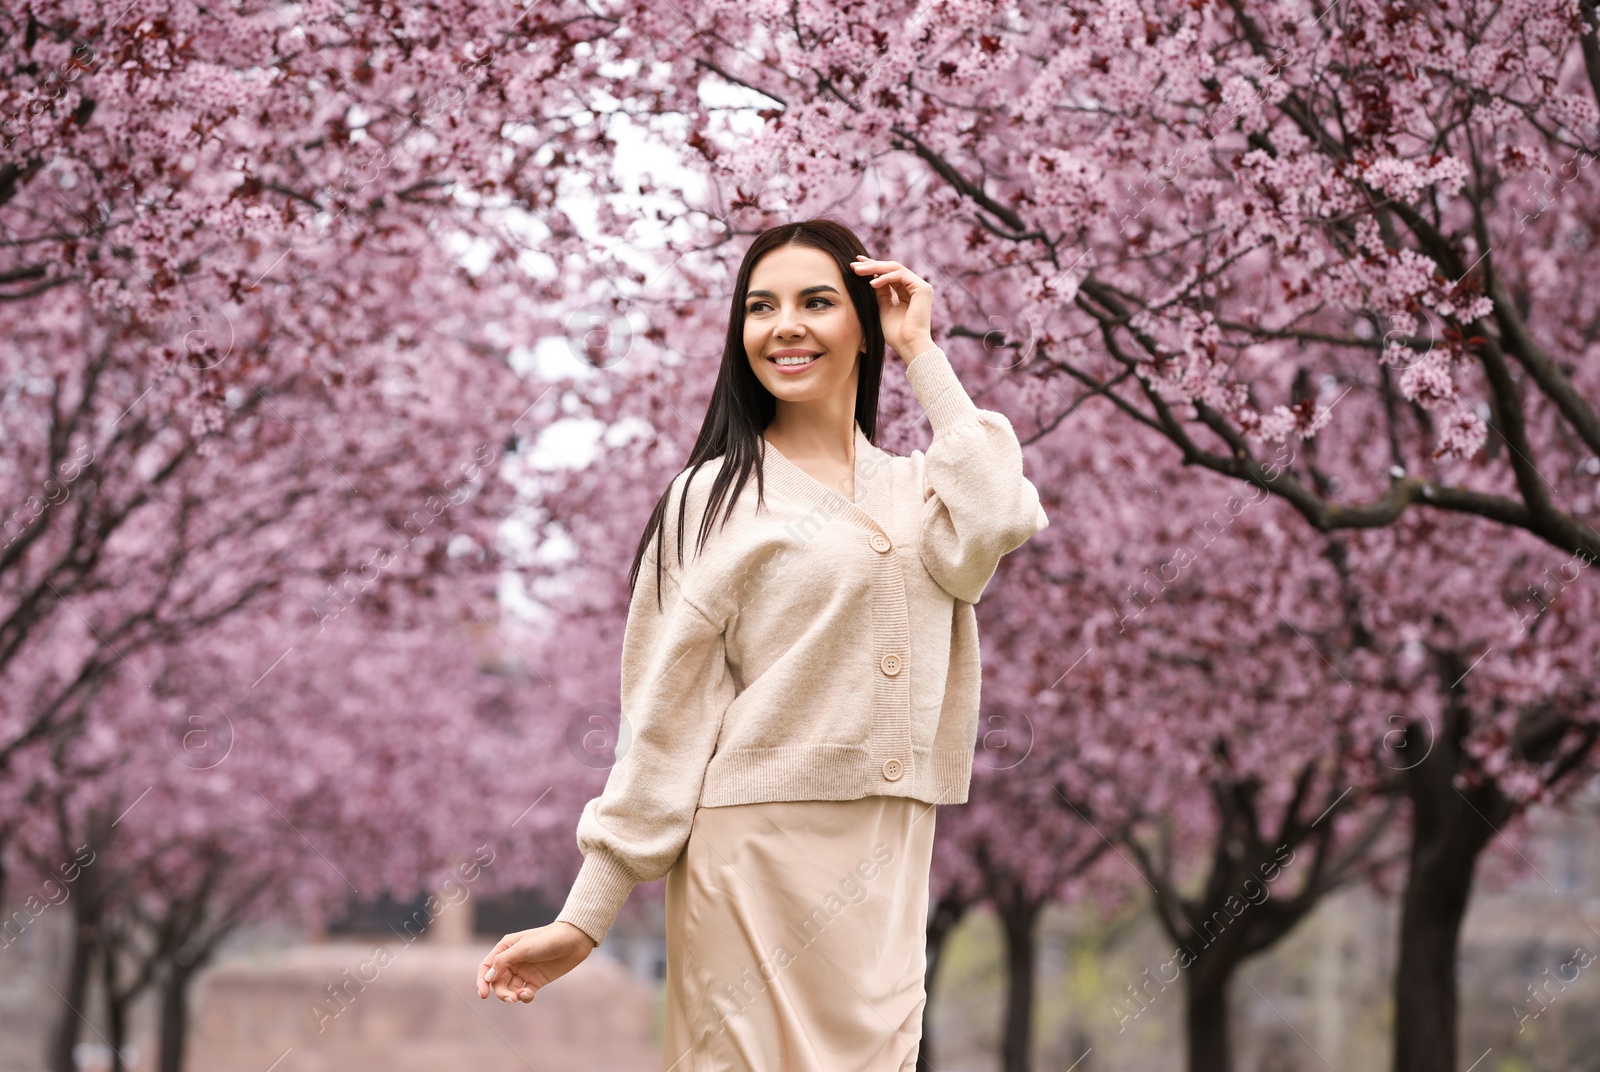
<point x="890" y="664"/>
<point x="892" y="769"/>
<point x="880" y="542"/>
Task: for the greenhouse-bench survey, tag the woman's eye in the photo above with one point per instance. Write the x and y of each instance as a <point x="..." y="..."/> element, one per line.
<point x="756" y="307"/>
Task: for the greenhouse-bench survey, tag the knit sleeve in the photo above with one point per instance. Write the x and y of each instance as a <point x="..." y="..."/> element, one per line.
<point x="676" y="684"/>
<point x="977" y="504"/>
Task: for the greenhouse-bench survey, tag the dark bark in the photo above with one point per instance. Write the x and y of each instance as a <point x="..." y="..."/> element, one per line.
<point x="1449" y="830"/>
<point x="1434" y="904"/>
<point x="946" y="912"/>
<point x="1205" y="1017"/>
<point x="119" y="992"/>
<point x="116" y="1010"/>
<point x="174" y="1025"/>
<point x="69" y="1026"/>
<point x="1019" y="917"/>
<point x="87" y="910"/>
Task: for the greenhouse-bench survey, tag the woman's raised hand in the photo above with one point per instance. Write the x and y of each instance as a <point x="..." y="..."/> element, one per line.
<point x="905" y="305"/>
<point x="522" y="963"/>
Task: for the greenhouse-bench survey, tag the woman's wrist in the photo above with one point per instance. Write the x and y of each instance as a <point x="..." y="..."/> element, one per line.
<point x="916" y="348"/>
<point x="586" y="936"/>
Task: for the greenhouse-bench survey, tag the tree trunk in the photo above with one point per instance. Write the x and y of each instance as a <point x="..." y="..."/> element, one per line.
<point x="1019" y="915"/>
<point x="175" y="1015"/>
<point x="1449" y="830"/>
<point x="1238" y="914"/>
<point x="116" y="1007"/>
<point x="942" y="920"/>
<point x="1206" y="1019"/>
<point x="1425" y="979"/>
<point x="86" y="913"/>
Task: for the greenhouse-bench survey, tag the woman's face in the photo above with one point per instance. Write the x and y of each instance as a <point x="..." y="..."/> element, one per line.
<point x="797" y="302"/>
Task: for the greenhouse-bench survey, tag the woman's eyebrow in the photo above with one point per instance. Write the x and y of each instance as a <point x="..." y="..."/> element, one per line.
<point x="819" y="288"/>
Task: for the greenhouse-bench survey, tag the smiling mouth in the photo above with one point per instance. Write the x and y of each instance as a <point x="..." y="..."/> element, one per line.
<point x="796" y="361"/>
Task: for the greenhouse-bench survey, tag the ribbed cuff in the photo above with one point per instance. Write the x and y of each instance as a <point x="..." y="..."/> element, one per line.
<point x="939" y="390"/>
<point x="597" y="894"/>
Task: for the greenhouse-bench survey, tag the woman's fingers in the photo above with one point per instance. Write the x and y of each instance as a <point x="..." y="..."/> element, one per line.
<point x="887" y="282"/>
<point x="878" y="269"/>
<point x="509" y="985"/>
<point x="486" y="971"/>
<point x="885" y="270"/>
<point x="905" y="278"/>
<point x="505" y="960"/>
<point x="903" y="275"/>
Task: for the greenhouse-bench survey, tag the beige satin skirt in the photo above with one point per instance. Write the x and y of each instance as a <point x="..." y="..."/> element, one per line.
<point x="797" y="937"/>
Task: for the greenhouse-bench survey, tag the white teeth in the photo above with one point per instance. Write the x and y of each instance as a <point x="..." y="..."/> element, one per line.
<point x="794" y="360"/>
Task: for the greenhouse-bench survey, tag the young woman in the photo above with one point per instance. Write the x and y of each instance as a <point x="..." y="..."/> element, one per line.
<point x="800" y="689"/>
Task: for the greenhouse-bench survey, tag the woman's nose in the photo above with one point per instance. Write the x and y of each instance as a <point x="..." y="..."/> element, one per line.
<point x="788" y="321"/>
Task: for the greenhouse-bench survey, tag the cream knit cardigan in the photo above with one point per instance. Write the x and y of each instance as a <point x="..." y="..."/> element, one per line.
<point x="821" y="649"/>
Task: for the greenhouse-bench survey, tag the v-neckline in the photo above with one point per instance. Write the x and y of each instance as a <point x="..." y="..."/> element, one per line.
<point x="855" y="468"/>
<point x="801" y="485"/>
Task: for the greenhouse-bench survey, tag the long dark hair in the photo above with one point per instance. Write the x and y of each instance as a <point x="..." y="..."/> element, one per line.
<point x="741" y="406"/>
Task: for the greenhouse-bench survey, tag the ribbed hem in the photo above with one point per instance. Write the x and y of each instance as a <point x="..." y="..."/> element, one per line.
<point x="939" y="390"/>
<point x="597" y="894"/>
<point x="820" y="771"/>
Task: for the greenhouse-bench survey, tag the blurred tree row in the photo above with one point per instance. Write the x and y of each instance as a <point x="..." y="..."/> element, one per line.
<point x="1286" y="301"/>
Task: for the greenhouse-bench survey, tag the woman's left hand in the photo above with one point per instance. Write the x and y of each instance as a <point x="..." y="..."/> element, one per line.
<point x="905" y="305"/>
